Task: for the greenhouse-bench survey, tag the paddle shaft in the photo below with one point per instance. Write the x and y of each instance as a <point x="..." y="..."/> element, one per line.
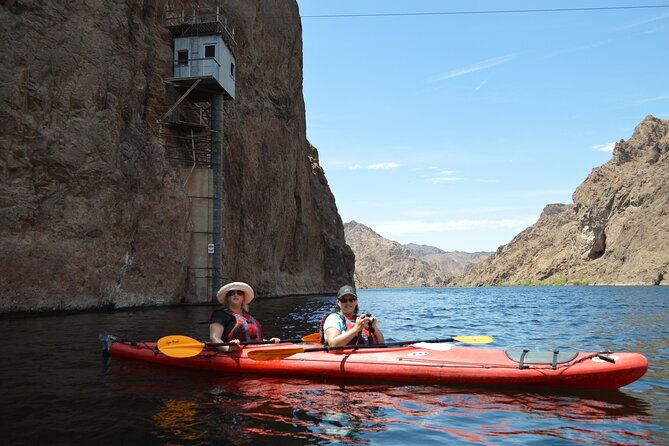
<point x="281" y="353"/>
<point x="222" y="344"/>
<point x="384" y="345"/>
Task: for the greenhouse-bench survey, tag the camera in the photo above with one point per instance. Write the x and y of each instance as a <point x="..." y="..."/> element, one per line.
<point x="371" y="317"/>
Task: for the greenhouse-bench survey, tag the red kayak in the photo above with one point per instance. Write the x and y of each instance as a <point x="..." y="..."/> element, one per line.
<point x="418" y="363"/>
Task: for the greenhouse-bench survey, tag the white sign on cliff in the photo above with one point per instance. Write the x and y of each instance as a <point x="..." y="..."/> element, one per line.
<point x="210" y="248"/>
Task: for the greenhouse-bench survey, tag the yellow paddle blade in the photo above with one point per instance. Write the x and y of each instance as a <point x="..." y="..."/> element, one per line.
<point x="473" y="339"/>
<point x="178" y="346"/>
<point x="313" y="337"/>
<point x="271" y="354"/>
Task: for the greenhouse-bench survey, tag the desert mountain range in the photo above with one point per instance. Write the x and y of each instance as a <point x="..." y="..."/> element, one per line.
<point x="616" y="232"/>
<point x="383" y="263"/>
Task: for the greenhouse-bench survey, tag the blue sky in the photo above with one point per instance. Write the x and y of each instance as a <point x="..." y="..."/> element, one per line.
<point x="455" y="130"/>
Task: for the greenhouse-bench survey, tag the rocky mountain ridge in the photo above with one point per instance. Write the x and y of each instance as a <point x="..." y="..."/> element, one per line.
<point x="383" y="263"/>
<point x="449" y="263"/>
<point x="616" y="232"/>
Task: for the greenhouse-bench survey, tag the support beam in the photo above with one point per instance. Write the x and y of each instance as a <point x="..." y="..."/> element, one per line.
<point x="176" y="104"/>
<point x="217" y="171"/>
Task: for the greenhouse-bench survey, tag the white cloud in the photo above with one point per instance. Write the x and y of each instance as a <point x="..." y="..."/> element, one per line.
<point x="586" y="47"/>
<point x="483" y="65"/>
<point x="383" y="166"/>
<point x="424" y="213"/>
<point x="491" y="209"/>
<point x="644" y="22"/>
<point x="655" y="99"/>
<point x="444" y="176"/>
<point x="421" y="213"/>
<point x="552" y="194"/>
<point x="402" y="227"/>
<point x="657" y="29"/>
<point x="480" y="85"/>
<point x="605" y="147"/>
<point x="439" y="180"/>
<point x="355" y="167"/>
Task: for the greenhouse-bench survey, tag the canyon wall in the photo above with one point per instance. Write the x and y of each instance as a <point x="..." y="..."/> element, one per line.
<point x="91" y="213"/>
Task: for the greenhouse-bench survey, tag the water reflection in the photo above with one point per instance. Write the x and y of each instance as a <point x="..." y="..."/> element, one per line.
<point x="180" y="419"/>
<point x="209" y="408"/>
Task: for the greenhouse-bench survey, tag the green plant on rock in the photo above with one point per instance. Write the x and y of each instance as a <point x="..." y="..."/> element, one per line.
<point x="551" y="281"/>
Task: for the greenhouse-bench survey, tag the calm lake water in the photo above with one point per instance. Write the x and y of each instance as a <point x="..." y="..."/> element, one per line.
<point x="58" y="389"/>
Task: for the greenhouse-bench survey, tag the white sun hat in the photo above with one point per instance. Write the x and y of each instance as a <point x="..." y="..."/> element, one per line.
<point x="240" y="286"/>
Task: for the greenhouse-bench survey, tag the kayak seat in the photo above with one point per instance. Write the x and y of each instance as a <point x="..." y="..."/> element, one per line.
<point x="525" y="356"/>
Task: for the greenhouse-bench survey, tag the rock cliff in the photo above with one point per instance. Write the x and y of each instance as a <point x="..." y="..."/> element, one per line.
<point x="92" y="215"/>
<point x="616" y="231"/>
<point x="283" y="231"/>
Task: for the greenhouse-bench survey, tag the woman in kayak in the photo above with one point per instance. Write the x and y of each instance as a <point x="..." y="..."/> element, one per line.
<point x="345" y="327"/>
<point x="232" y="323"/>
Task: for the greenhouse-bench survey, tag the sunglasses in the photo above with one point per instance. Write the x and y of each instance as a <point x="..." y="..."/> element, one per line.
<point x="350" y="299"/>
<point x="235" y="293"/>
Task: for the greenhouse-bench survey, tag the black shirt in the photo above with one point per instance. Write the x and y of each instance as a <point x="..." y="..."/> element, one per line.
<point x="224" y="318"/>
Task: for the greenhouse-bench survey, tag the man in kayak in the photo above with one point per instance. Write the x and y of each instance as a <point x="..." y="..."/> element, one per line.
<point x="232" y="323"/>
<point x="345" y="327"/>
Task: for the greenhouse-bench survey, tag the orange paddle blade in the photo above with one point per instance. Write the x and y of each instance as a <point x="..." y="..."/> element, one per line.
<point x="313" y="337"/>
<point x="178" y="346"/>
<point x="273" y="354"/>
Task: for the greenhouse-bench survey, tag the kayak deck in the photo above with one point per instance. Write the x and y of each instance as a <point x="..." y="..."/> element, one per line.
<point x="440" y="363"/>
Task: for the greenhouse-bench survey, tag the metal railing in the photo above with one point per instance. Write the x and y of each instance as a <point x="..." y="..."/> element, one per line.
<point x="178" y="63"/>
<point x="198" y="16"/>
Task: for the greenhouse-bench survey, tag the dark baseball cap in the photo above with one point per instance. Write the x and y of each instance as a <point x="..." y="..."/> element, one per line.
<point x="346" y="289"/>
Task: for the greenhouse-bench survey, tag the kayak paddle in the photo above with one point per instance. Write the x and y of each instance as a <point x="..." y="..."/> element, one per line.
<point x="313" y="337"/>
<point x="281" y="353"/>
<point x="179" y="346"/>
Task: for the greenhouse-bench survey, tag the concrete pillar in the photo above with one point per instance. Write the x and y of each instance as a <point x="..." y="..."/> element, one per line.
<point x="217" y="172"/>
<point x="200" y="193"/>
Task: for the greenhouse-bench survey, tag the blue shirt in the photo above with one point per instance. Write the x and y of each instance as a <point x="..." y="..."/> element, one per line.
<point x="335" y="320"/>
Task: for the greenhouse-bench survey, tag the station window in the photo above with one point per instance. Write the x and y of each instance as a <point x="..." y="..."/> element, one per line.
<point x="182" y="57"/>
<point x="209" y="51"/>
